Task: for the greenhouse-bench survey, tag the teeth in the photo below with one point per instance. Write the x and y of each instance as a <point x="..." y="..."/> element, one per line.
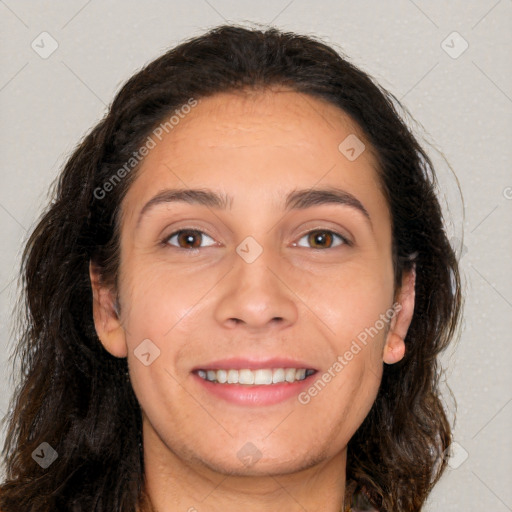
<point x="264" y="376"/>
<point x="278" y="375"/>
<point x="245" y="376"/>
<point x="232" y="376"/>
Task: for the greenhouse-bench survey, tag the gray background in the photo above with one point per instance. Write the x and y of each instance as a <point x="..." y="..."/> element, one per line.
<point x="462" y="104"/>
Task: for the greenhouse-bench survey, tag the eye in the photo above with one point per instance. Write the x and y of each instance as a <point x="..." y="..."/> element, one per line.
<point x="323" y="239"/>
<point x="318" y="239"/>
<point x="188" y="238"/>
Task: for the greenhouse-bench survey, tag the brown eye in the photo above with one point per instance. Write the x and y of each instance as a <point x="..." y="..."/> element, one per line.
<point x="188" y="238"/>
<point x="323" y="239"/>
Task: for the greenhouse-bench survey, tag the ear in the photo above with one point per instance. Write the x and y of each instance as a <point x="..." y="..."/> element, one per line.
<point x="106" y="317"/>
<point x="394" y="349"/>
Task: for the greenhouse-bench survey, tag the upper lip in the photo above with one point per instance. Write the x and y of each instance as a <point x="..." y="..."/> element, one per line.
<point x="241" y="363"/>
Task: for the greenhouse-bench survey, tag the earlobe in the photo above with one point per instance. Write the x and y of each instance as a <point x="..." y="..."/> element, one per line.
<point x="394" y="349"/>
<point x="106" y="316"/>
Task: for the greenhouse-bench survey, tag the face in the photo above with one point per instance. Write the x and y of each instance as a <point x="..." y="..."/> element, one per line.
<point x="277" y="276"/>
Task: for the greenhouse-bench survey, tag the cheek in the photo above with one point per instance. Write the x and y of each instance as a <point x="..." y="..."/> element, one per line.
<point x="341" y="396"/>
<point x="160" y="306"/>
<point x="351" y="299"/>
<point x="158" y="298"/>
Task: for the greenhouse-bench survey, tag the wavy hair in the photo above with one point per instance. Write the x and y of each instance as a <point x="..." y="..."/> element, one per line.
<point x="71" y="393"/>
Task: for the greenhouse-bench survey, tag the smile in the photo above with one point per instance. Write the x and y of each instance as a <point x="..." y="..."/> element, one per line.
<point x="263" y="376"/>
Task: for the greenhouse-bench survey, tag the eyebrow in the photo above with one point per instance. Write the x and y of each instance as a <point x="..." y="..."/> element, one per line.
<point x="295" y="200"/>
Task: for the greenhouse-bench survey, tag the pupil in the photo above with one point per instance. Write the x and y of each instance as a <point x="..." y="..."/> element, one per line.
<point x="320" y="237"/>
<point x="188" y="237"/>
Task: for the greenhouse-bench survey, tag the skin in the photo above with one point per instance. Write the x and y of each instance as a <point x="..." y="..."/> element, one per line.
<point x="256" y="148"/>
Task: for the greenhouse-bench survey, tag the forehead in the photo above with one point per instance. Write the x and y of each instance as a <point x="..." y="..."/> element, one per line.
<point x="258" y="145"/>
<point x="244" y="119"/>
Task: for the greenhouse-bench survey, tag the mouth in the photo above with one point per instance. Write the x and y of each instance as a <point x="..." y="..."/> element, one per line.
<point x="254" y="387"/>
<point x="252" y="381"/>
<point x="255" y="377"/>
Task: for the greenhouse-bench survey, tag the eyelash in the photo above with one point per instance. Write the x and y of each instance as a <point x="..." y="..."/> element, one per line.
<point x="166" y="240"/>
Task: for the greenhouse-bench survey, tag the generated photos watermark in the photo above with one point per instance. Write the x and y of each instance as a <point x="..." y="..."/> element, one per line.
<point x="343" y="360"/>
<point x="150" y="142"/>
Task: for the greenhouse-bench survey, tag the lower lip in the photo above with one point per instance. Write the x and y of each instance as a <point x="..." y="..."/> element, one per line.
<point x="255" y="395"/>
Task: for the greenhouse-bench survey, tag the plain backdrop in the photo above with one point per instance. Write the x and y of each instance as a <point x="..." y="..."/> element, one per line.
<point x="449" y="64"/>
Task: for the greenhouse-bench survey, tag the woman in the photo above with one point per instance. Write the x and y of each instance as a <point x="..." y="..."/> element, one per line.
<point x="238" y="296"/>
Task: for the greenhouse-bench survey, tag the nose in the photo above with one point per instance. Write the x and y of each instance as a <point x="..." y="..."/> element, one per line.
<point x="257" y="295"/>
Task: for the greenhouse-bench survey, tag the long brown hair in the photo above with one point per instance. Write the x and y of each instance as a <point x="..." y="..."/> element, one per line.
<point x="76" y="397"/>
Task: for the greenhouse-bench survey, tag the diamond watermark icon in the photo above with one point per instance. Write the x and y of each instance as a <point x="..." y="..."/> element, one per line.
<point x="351" y="147"/>
<point x="44" y="455"/>
<point x="455" y="455"/>
<point x="146" y="352"/>
<point x="454" y="45"/>
<point x="249" y="454"/>
<point x="249" y="250"/>
<point x="44" y="45"/>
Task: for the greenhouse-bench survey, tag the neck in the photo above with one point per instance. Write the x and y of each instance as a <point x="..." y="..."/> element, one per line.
<point x="172" y="483"/>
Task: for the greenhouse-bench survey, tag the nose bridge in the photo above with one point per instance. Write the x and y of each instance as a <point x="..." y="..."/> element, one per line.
<point x="252" y="268"/>
<point x="256" y="294"/>
<point x="253" y="265"/>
